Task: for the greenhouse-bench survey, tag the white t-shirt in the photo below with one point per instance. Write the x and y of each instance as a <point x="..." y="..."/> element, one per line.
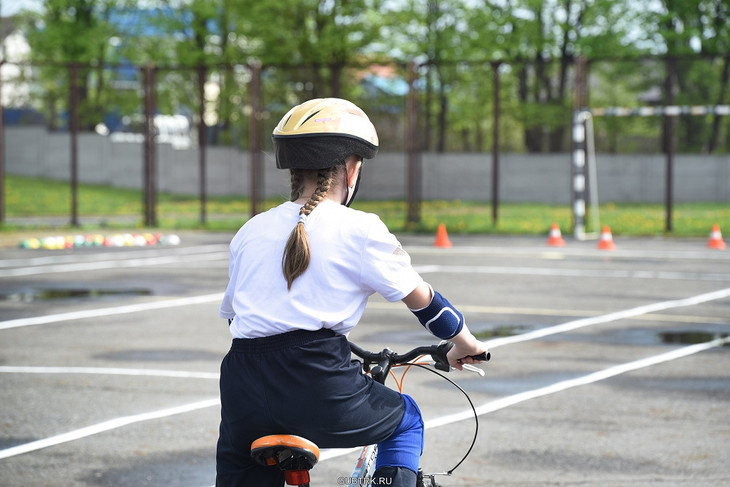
<point x="353" y="255"/>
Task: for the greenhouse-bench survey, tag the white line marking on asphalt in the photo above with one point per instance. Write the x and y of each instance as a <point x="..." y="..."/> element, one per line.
<point x="116" y="310"/>
<point x="579" y="381"/>
<point x="112" y="264"/>
<point x="185" y="374"/>
<point x="514" y="399"/>
<point x="51" y="265"/>
<point x="700" y="254"/>
<point x="555" y="272"/>
<point x="523" y="310"/>
<point x="481" y="410"/>
<point x="171" y="303"/>
<point x="618" y="315"/>
<point x="105" y="426"/>
<point x="113" y="254"/>
<point x="433" y="423"/>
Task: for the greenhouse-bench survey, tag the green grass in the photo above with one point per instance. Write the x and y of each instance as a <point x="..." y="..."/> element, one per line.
<point x="33" y="198"/>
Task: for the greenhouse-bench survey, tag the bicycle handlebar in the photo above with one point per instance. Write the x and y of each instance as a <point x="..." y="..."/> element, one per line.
<point x="386" y="358"/>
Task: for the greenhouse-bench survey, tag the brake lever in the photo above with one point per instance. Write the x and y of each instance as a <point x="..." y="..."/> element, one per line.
<point x="471" y="368"/>
<point x="484" y="357"/>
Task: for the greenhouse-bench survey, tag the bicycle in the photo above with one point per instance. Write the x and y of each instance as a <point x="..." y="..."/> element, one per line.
<point x="297" y="456"/>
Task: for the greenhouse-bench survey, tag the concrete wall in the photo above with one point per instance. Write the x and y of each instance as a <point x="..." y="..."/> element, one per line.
<point x="637" y="178"/>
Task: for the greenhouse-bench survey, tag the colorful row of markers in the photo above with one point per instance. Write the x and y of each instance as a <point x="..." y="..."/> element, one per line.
<point x="99" y="240"/>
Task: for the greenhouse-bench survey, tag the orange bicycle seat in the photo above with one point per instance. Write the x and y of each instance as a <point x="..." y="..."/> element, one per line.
<point x="293" y="454"/>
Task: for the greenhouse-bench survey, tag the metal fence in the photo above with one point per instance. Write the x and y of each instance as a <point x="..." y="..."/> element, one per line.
<point x="494" y="107"/>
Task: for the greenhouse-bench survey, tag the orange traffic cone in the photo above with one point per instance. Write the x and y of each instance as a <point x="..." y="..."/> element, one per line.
<point x="716" y="241"/>
<point x="442" y="238"/>
<point x="555" y="238"/>
<point x="606" y="241"/>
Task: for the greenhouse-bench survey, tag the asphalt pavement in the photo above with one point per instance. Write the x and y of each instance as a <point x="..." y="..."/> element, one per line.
<point x="609" y="368"/>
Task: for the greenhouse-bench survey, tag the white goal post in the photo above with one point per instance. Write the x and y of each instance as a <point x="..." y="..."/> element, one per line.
<point x="583" y="157"/>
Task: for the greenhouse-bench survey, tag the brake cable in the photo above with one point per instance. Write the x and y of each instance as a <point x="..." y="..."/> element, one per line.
<point x="422" y="365"/>
<point x="476" y="417"/>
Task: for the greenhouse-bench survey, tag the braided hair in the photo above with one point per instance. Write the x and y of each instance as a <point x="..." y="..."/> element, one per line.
<point x="296" y="252"/>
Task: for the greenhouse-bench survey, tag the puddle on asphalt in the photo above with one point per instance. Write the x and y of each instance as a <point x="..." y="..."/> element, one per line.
<point x="485" y="331"/>
<point x="689" y="337"/>
<point x="28" y="295"/>
<point x="639" y="336"/>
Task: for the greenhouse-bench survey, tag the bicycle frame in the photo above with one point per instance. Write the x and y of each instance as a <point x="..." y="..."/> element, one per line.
<point x="364" y="465"/>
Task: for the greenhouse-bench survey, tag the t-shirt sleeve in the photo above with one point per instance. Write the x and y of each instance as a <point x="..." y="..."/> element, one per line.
<point x="386" y="267"/>
<point x="226" y="308"/>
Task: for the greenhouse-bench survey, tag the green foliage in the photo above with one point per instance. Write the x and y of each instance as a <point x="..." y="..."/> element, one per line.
<point x="312" y="48"/>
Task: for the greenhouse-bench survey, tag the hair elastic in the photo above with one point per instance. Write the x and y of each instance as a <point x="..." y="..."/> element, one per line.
<point x="302" y="218"/>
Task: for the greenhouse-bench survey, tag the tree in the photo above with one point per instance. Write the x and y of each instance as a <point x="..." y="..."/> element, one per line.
<point x="539" y="39"/>
<point x="437" y="34"/>
<point x="314" y="40"/>
<point x="311" y="48"/>
<point x="552" y="35"/>
<point x="689" y="28"/>
<point x="72" y="31"/>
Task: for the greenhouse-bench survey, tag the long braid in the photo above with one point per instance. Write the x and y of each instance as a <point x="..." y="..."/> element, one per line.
<point x="324" y="181"/>
<point x="296" y="252"/>
<point x="297" y="183"/>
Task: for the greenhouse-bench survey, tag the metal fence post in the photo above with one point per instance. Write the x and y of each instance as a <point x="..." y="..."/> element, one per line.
<point x="495" y="144"/>
<point x="413" y="150"/>
<point x="669" y="141"/>
<point x="253" y="138"/>
<point x="74" y="134"/>
<point x="2" y="152"/>
<point x="150" y="180"/>
<point x="202" y="142"/>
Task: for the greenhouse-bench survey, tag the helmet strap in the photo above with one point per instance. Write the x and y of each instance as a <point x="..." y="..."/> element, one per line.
<point x="351" y="192"/>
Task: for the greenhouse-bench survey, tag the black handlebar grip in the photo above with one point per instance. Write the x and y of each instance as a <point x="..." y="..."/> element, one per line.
<point x="484" y="356"/>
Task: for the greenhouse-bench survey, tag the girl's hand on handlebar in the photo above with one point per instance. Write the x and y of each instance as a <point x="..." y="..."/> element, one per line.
<point x="466" y="348"/>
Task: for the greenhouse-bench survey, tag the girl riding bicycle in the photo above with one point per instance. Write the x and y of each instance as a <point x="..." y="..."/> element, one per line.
<point x="300" y="277"/>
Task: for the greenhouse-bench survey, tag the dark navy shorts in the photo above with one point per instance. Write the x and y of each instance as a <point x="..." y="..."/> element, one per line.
<point x="301" y="383"/>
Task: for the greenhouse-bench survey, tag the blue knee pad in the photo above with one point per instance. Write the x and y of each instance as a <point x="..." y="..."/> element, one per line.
<point x="404" y="447"/>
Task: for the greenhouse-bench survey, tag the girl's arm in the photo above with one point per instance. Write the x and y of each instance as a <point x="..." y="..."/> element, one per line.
<point x="444" y="321"/>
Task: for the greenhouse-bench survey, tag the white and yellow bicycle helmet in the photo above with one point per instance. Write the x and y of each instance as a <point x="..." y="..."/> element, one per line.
<point x="323" y="132"/>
